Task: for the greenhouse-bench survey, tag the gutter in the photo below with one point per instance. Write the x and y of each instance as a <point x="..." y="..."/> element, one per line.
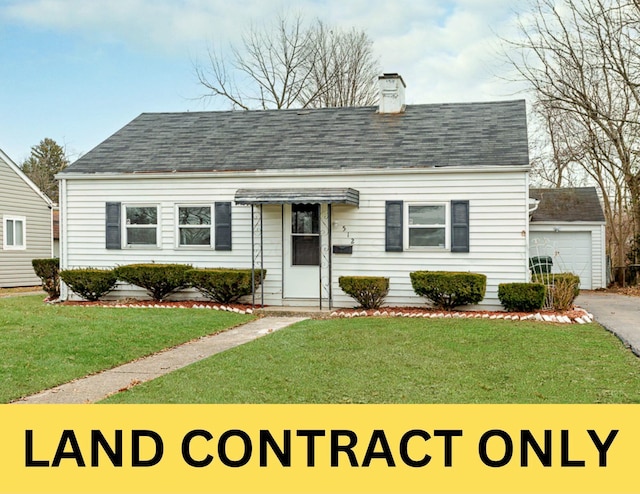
<point x="291" y="173"/>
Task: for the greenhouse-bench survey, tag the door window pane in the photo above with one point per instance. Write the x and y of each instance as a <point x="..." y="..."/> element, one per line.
<point x="305" y="234"/>
<point x="306" y="250"/>
<point x="305" y="218"/>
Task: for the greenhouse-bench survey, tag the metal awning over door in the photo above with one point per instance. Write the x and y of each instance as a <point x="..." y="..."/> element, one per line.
<point x="286" y="197"/>
<point x="345" y="196"/>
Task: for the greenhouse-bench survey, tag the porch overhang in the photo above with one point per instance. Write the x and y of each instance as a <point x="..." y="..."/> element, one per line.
<point x="346" y="196"/>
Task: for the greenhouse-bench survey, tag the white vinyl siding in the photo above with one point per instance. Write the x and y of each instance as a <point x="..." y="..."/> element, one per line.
<point x="497" y="225"/>
<point x="19" y="200"/>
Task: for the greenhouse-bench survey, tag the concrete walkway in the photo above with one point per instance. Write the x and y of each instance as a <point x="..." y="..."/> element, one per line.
<point x="98" y="386"/>
<point x="620" y="314"/>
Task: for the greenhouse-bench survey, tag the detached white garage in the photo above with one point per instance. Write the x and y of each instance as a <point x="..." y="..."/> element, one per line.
<point x="568" y="225"/>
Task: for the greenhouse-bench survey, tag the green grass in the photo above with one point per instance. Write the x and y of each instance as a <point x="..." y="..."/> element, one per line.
<point x="377" y="360"/>
<point x="45" y="345"/>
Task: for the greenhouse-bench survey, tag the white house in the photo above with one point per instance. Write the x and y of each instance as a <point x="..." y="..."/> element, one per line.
<point x="310" y="195"/>
<point x="25" y="226"/>
<point x="568" y="225"/>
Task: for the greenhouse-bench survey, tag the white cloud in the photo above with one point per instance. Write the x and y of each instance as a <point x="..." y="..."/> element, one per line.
<point x="445" y="50"/>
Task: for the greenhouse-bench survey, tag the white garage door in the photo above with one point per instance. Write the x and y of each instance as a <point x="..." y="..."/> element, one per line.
<point x="571" y="252"/>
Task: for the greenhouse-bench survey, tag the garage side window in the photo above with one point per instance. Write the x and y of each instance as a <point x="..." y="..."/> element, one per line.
<point x="14" y="237"/>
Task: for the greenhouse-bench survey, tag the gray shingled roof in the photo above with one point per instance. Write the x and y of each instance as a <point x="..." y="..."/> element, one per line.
<point x="567" y="204"/>
<point x="465" y="134"/>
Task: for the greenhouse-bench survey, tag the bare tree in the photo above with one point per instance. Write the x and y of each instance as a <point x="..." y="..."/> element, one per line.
<point x="581" y="59"/>
<point x="288" y="65"/>
<point x="343" y="69"/>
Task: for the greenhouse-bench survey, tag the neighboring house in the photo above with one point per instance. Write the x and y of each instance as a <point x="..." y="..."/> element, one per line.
<point x="310" y="195"/>
<point x="569" y="226"/>
<point x="25" y="226"/>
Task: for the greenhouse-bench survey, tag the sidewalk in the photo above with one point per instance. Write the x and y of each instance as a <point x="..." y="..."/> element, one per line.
<point x="98" y="386"/>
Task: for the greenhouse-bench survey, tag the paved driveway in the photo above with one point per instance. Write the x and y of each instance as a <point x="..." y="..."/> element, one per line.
<point x="620" y="314"/>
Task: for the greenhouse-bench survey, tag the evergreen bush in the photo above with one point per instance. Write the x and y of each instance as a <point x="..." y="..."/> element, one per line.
<point x="90" y="284"/>
<point x="521" y="297"/>
<point x="225" y="285"/>
<point x="160" y="280"/>
<point x="447" y="289"/>
<point x="368" y="291"/>
<point x="48" y="271"/>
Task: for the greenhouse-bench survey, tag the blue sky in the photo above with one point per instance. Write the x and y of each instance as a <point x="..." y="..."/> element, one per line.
<point x="78" y="70"/>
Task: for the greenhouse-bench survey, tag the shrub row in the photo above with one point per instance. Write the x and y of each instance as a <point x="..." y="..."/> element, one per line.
<point x="162" y="280"/>
<point x="447" y="290"/>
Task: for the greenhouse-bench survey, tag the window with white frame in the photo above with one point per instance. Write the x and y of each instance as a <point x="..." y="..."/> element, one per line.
<point x="141" y="225"/>
<point x="427" y="225"/>
<point x="15" y="233"/>
<point x="194" y="226"/>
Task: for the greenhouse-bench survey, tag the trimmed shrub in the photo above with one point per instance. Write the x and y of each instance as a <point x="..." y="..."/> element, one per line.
<point x="449" y="289"/>
<point x="160" y="280"/>
<point x="224" y="285"/>
<point x="48" y="271"/>
<point x="562" y="289"/>
<point x="368" y="291"/>
<point x="90" y="284"/>
<point x="521" y="297"/>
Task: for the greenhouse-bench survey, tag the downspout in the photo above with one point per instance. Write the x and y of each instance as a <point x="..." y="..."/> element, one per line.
<point x="261" y="261"/>
<point x="320" y="258"/>
<point x="330" y="260"/>
<point x="62" y="225"/>
<point x="253" y="266"/>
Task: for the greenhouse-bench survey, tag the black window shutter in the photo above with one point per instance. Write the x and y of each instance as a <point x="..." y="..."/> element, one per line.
<point x="459" y="226"/>
<point x="223" y="225"/>
<point x="113" y="229"/>
<point x="394" y="215"/>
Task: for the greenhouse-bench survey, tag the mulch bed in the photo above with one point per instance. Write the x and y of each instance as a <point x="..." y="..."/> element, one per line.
<point x="576" y="315"/>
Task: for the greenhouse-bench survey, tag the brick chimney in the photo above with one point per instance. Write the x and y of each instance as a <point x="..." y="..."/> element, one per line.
<point x="391" y="97"/>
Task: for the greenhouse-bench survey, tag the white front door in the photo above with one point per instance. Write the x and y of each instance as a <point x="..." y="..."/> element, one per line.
<point x="302" y="251"/>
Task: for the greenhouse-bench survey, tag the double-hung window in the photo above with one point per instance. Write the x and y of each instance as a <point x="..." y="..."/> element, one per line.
<point x="141" y="225"/>
<point x="14" y="229"/>
<point x="427" y="224"/>
<point x="194" y="226"/>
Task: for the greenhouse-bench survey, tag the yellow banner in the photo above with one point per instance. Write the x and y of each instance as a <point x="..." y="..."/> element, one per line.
<point x="319" y="448"/>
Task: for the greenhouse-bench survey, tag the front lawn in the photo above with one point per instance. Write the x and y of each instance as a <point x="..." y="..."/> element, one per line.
<point x="42" y="345"/>
<point x="381" y="360"/>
